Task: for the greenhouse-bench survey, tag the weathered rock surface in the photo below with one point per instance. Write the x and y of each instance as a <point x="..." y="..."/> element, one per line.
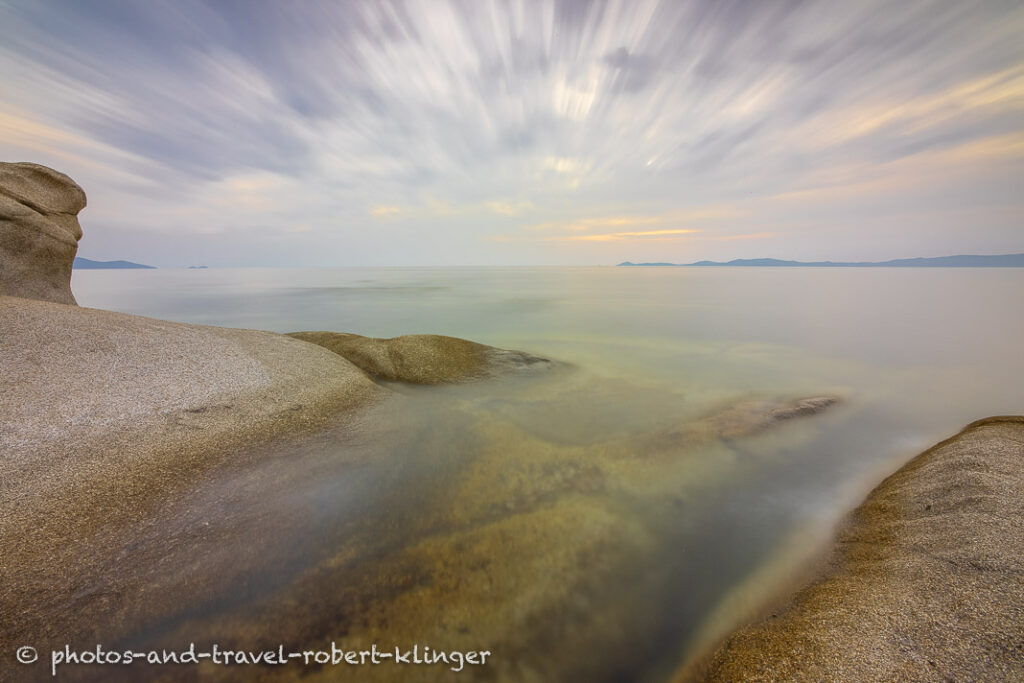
<point x="925" y="581"/>
<point x="104" y="416"/>
<point x="81" y="387"/>
<point x="138" y="489"/>
<point x="423" y="358"/>
<point x="39" y="231"/>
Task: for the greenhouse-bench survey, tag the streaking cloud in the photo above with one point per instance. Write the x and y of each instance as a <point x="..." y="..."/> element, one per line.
<point x="399" y="133"/>
<point x="607" y="237"/>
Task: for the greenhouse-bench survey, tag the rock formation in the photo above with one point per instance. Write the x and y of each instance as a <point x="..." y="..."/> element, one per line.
<point x="147" y="470"/>
<point x="39" y="231"/>
<point x="924" y="582"/>
<point x="422" y="358"/>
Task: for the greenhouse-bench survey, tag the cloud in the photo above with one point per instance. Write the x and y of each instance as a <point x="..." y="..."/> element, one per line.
<point x="953" y="108"/>
<point x="604" y="222"/>
<point x="632" y="72"/>
<point x="507" y="208"/>
<point x="565" y="165"/>
<point x="607" y="237"/>
<point x="926" y="170"/>
<point x="701" y="214"/>
<point x="464" y="122"/>
<point x="386" y="211"/>
<point x="749" y="236"/>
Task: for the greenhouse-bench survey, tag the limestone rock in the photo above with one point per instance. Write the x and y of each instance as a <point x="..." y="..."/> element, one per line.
<point x="39" y="231"/>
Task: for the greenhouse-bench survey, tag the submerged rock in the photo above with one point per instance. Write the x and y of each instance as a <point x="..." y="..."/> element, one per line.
<point x="423" y="358"/>
<point x="736" y="421"/>
<point x="114" y="425"/>
<point x="39" y="232"/>
<point x="750" y="417"/>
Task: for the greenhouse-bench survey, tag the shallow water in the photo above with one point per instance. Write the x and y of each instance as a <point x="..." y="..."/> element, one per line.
<point x="616" y="558"/>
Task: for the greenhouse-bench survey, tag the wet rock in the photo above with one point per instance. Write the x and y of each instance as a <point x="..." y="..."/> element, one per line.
<point x="423" y="358"/>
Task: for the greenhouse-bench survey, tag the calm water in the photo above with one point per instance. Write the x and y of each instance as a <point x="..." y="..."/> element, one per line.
<point x="622" y="562"/>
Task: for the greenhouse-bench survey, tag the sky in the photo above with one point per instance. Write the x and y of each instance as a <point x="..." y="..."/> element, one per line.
<point x="248" y="133"/>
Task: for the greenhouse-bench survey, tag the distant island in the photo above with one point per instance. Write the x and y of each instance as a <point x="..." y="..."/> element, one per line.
<point x="962" y="261"/>
<point x="87" y="264"/>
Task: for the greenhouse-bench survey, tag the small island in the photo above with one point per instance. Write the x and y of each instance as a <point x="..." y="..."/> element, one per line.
<point x="961" y="261"/>
<point x="88" y="264"/>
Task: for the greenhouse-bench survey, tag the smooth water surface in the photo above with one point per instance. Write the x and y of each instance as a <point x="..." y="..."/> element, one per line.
<point x="562" y="463"/>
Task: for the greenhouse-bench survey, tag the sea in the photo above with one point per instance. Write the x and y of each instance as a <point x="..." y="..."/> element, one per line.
<point x="621" y="557"/>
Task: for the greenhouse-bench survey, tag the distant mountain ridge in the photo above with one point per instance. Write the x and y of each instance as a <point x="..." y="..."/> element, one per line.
<point x="962" y="261"/>
<point x="88" y="264"/>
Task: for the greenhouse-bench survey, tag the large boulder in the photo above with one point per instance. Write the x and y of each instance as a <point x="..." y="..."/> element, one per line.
<point x="423" y="358"/>
<point x="925" y="581"/>
<point x="39" y="231"/>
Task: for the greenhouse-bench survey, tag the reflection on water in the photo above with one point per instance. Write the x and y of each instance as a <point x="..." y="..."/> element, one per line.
<point x="542" y="517"/>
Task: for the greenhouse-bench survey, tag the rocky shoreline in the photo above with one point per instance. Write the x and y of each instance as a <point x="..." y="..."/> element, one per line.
<point x="924" y="581"/>
<point x="107" y="418"/>
<point x="111" y="423"/>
